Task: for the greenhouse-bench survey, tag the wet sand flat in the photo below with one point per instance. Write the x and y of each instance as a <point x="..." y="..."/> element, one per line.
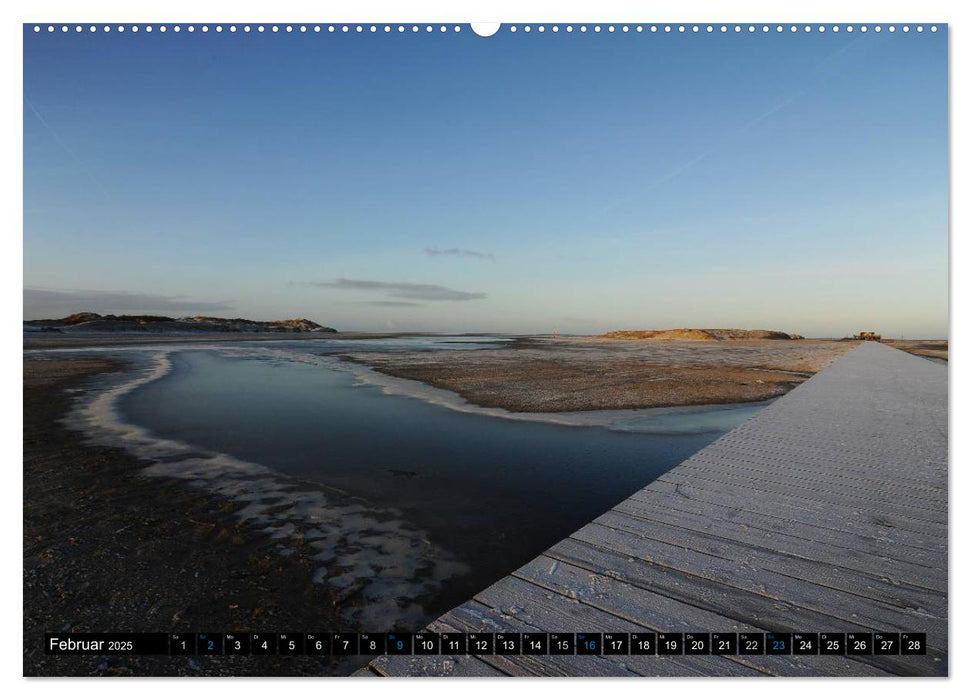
<point x="937" y="349"/>
<point x="582" y="374"/>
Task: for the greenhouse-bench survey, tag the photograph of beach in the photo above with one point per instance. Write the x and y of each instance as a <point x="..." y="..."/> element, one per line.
<point x="525" y="349"/>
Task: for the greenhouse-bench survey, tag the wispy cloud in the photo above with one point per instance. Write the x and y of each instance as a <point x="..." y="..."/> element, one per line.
<point x="403" y="290"/>
<point x="40" y="301"/>
<point x="459" y="253"/>
<point x="391" y="304"/>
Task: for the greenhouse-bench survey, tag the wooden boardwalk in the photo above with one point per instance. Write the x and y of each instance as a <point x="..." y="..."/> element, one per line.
<point x="825" y="512"/>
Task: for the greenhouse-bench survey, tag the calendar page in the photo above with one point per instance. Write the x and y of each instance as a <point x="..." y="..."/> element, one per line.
<point x="518" y="348"/>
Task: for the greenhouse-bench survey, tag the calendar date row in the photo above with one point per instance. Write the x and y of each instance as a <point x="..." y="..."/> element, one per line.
<point x="489" y="643"/>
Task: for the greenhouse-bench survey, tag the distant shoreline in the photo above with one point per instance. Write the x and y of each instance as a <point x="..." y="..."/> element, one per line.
<point x="37" y="340"/>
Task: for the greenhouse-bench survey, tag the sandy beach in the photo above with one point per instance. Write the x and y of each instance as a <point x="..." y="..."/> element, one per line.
<point x="592" y="373"/>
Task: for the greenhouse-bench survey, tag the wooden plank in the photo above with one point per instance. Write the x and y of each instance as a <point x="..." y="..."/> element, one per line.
<point x="857" y="517"/>
<point x="878" y="541"/>
<point x="842" y="437"/>
<point x="820" y="466"/>
<point x="773" y="488"/>
<point x="912" y="586"/>
<point x="815" y="476"/>
<point x="751" y="575"/>
<point x="660" y="614"/>
<point x="520" y="601"/>
<point x="474" y="616"/>
<point x="747" y="607"/>
<point x="441" y="665"/>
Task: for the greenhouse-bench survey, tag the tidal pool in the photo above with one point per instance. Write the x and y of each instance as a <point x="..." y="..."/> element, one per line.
<point x="413" y="507"/>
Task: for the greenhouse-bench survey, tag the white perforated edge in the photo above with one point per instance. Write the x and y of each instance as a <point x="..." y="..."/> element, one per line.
<point x="456" y="28"/>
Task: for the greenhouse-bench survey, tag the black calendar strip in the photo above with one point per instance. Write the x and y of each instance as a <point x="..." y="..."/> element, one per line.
<point x="489" y="643"/>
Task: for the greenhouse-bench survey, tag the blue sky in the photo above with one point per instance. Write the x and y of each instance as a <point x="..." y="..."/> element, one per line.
<point x="516" y="183"/>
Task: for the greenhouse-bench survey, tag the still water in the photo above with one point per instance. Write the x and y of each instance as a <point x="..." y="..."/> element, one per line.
<point x="491" y="492"/>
